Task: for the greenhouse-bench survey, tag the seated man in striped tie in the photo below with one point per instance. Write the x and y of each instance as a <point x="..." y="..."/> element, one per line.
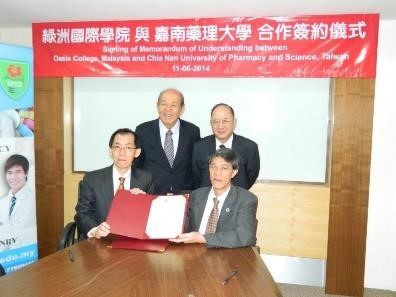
<point x="99" y="187"/>
<point x="222" y="215"/>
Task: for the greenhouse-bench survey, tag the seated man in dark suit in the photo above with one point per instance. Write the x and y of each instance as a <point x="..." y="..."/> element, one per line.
<point x="99" y="186"/>
<point x="167" y="145"/>
<point x="223" y="125"/>
<point x="222" y="215"/>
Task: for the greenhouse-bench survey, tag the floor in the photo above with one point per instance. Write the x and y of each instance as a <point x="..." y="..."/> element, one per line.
<point x="289" y="290"/>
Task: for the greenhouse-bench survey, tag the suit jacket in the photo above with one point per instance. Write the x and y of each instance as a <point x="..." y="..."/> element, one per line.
<point x="249" y="161"/>
<point x="237" y="224"/>
<point x="96" y="194"/>
<point x="167" y="179"/>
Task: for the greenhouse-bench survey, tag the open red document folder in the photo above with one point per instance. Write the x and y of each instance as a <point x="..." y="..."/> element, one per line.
<point x="145" y="216"/>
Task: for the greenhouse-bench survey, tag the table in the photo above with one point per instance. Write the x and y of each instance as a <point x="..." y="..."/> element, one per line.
<point x="92" y="268"/>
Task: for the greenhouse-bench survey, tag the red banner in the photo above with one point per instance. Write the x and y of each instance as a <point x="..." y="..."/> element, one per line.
<point x="307" y="46"/>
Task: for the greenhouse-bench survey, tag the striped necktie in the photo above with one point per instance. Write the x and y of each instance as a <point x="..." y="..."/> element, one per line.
<point x="12" y="205"/>
<point x="213" y="217"/>
<point x="168" y="147"/>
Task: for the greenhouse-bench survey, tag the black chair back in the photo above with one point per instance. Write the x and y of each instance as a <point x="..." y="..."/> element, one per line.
<point x="68" y="236"/>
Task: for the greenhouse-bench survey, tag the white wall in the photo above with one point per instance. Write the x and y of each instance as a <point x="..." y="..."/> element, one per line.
<point x="381" y="231"/>
<point x="381" y="235"/>
<point x="17" y="36"/>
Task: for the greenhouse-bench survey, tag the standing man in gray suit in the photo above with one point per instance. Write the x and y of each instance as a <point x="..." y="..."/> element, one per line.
<point x="223" y="122"/>
<point x="167" y="144"/>
<point x="99" y="187"/>
<point x="222" y="215"/>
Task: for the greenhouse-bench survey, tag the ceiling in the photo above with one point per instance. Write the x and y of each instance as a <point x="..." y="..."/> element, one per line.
<point x="21" y="13"/>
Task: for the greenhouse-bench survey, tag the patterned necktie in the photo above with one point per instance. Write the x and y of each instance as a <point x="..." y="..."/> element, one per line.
<point x="213" y="218"/>
<point x="13" y="201"/>
<point x="121" y="186"/>
<point x="168" y="147"/>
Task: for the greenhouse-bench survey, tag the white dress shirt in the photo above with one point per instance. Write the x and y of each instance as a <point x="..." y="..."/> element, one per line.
<point x="175" y="134"/>
<point x="227" y="144"/>
<point x="209" y="207"/>
<point x="116" y="179"/>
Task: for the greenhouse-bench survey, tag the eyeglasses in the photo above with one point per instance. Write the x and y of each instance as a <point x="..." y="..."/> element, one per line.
<point x="218" y="122"/>
<point x="222" y="169"/>
<point x="127" y="148"/>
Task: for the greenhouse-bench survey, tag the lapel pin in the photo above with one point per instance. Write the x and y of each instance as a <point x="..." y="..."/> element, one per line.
<point x="227" y="209"/>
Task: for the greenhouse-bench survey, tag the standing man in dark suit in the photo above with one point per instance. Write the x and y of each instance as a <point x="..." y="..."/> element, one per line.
<point x="223" y="124"/>
<point x="167" y="144"/>
<point x="98" y="187"/>
<point x="222" y="215"/>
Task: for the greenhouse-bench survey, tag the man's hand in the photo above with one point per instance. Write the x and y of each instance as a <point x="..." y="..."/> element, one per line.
<point x="102" y="230"/>
<point x="192" y="237"/>
<point x="137" y="191"/>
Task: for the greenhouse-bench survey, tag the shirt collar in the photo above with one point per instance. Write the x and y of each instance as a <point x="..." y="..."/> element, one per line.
<point x="164" y="129"/>
<point x="221" y="197"/>
<point x="116" y="174"/>
<point x="19" y="193"/>
<point x="227" y="144"/>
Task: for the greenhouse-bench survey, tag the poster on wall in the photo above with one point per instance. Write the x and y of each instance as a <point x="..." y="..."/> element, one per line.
<point x="18" y="227"/>
<point x="301" y="46"/>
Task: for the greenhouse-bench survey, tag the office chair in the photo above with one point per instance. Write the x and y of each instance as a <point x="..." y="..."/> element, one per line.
<point x="68" y="236"/>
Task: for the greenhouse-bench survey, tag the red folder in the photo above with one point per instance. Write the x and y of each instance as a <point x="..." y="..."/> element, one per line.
<point x="151" y="245"/>
<point x="145" y="216"/>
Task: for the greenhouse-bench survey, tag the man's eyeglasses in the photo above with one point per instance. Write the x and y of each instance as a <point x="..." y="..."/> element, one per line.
<point x="127" y="148"/>
<point x="218" y="122"/>
<point x="222" y="169"/>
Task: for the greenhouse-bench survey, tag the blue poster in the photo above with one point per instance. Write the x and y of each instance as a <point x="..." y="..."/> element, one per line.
<point x="18" y="226"/>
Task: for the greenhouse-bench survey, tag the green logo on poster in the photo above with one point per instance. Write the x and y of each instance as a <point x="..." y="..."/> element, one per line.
<point x="14" y="78"/>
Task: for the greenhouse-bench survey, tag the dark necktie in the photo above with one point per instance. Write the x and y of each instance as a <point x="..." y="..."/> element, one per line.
<point x="13" y="201"/>
<point x="121" y="186"/>
<point x="213" y="217"/>
<point x="168" y="147"/>
<point x="221" y="146"/>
